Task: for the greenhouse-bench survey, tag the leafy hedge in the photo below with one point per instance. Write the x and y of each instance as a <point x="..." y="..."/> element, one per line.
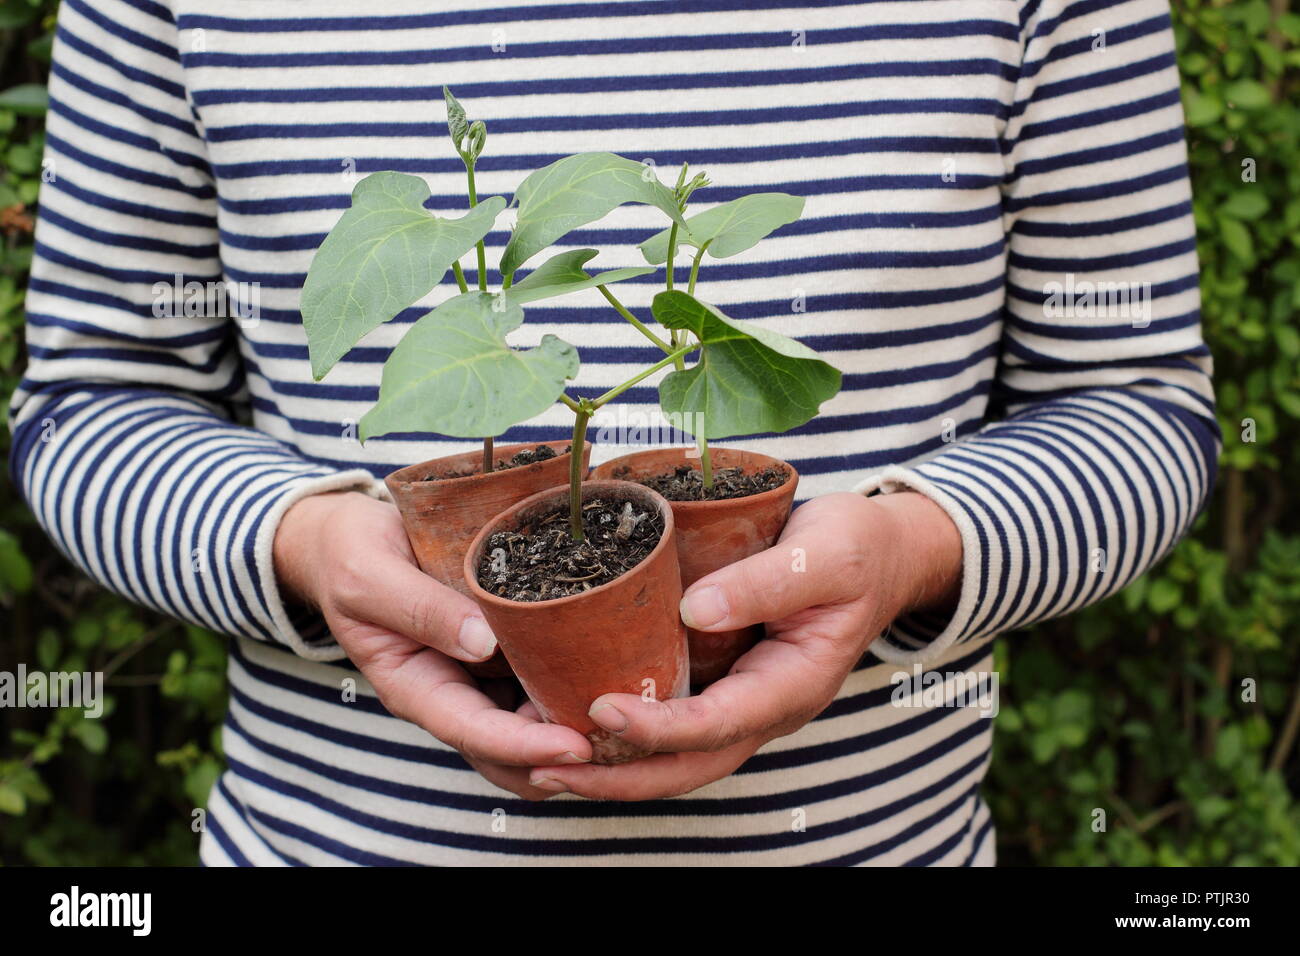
<point x="1173" y="707"/>
<point x="1136" y="706"/>
<point x="122" y="789"/>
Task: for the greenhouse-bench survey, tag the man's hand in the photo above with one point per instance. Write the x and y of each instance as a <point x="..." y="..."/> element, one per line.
<point x="348" y="555"/>
<point x="844" y="568"/>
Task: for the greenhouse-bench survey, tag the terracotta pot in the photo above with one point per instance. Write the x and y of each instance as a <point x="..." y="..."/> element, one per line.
<point x="714" y="534"/>
<point x="615" y="638"/>
<point x="443" y="516"/>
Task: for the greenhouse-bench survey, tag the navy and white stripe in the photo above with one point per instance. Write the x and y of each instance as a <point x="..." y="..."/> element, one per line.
<point x="956" y="156"/>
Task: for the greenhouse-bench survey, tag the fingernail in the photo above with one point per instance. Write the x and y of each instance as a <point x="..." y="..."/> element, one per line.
<point x="705" y="607"/>
<point x="548" y="783"/>
<point x="609" y="717"/>
<point x="477" y="639"/>
<point x="569" y="757"/>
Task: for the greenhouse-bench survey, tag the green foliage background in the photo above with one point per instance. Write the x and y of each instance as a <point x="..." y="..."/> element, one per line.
<point x="1136" y="707"/>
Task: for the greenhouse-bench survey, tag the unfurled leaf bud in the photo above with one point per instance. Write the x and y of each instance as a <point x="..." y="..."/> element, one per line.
<point x="457" y="124"/>
<point x="699" y="181"/>
<point x="477" y="137"/>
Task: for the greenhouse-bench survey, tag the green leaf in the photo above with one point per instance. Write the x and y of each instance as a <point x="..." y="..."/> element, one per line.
<point x="41" y="48"/>
<point x="29" y="783"/>
<point x="1072" y="706"/>
<point x="1072" y="735"/>
<point x="1269" y="55"/>
<point x="747" y="379"/>
<point x="1084" y="781"/>
<point x="1237" y="238"/>
<point x="87" y="632"/>
<point x="1036" y="713"/>
<point x="1245" y="204"/>
<point x="1201" y="109"/>
<point x="454" y="373"/>
<point x="576" y="190"/>
<point x="1288" y="340"/>
<point x="1212" y="808"/>
<point x="12" y="800"/>
<point x="563" y="273"/>
<point x="1248" y="95"/>
<point x="1009" y="719"/>
<point x="16" y="13"/>
<point x="731" y="228"/>
<point x="1255" y="16"/>
<point x="199" y="781"/>
<point x="1164" y="596"/>
<point x="1228" y="746"/>
<point x="457" y="124"/>
<point x="1044" y="746"/>
<point x="48" y="648"/>
<point x="383" y="255"/>
<point x="28" y="99"/>
<point x="24" y="158"/>
<point x="1289" y="402"/>
<point x="92" y="735"/>
<point x="15" y="569"/>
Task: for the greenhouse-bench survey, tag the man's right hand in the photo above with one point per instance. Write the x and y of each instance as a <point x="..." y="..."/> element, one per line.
<point x="347" y="554"/>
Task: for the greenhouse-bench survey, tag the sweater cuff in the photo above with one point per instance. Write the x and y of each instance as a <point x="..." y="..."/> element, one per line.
<point x="921" y="637"/>
<point x="300" y="628"/>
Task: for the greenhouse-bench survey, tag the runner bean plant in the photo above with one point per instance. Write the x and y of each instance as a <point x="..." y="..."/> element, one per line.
<point x="454" y="373"/>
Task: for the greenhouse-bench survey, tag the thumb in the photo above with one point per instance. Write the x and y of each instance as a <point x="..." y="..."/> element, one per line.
<point x="394" y="594"/>
<point x="798" y="572"/>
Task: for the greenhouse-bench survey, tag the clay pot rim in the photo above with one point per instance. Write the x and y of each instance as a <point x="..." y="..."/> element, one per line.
<point x="609" y="486"/>
<point x="398" y="477"/>
<point x="723" y="504"/>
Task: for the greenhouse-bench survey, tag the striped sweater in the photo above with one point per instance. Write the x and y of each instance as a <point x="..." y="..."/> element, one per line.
<point x="970" y="168"/>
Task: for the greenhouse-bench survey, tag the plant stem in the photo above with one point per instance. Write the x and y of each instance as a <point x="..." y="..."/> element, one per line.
<point x="1290" y="729"/>
<point x="570" y="403"/>
<point x="575" y="470"/>
<point x="706" y="463"/>
<point x="695" y="274"/>
<point x="640" y="326"/>
<point x="678" y="364"/>
<point x="482" y="286"/>
<point x="618" y="390"/>
<point x="672" y="251"/>
<point x="695" y="268"/>
<point x="473" y="201"/>
<point x="706" y="460"/>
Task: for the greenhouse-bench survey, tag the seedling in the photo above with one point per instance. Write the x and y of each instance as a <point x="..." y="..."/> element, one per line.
<point x="454" y="373"/>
